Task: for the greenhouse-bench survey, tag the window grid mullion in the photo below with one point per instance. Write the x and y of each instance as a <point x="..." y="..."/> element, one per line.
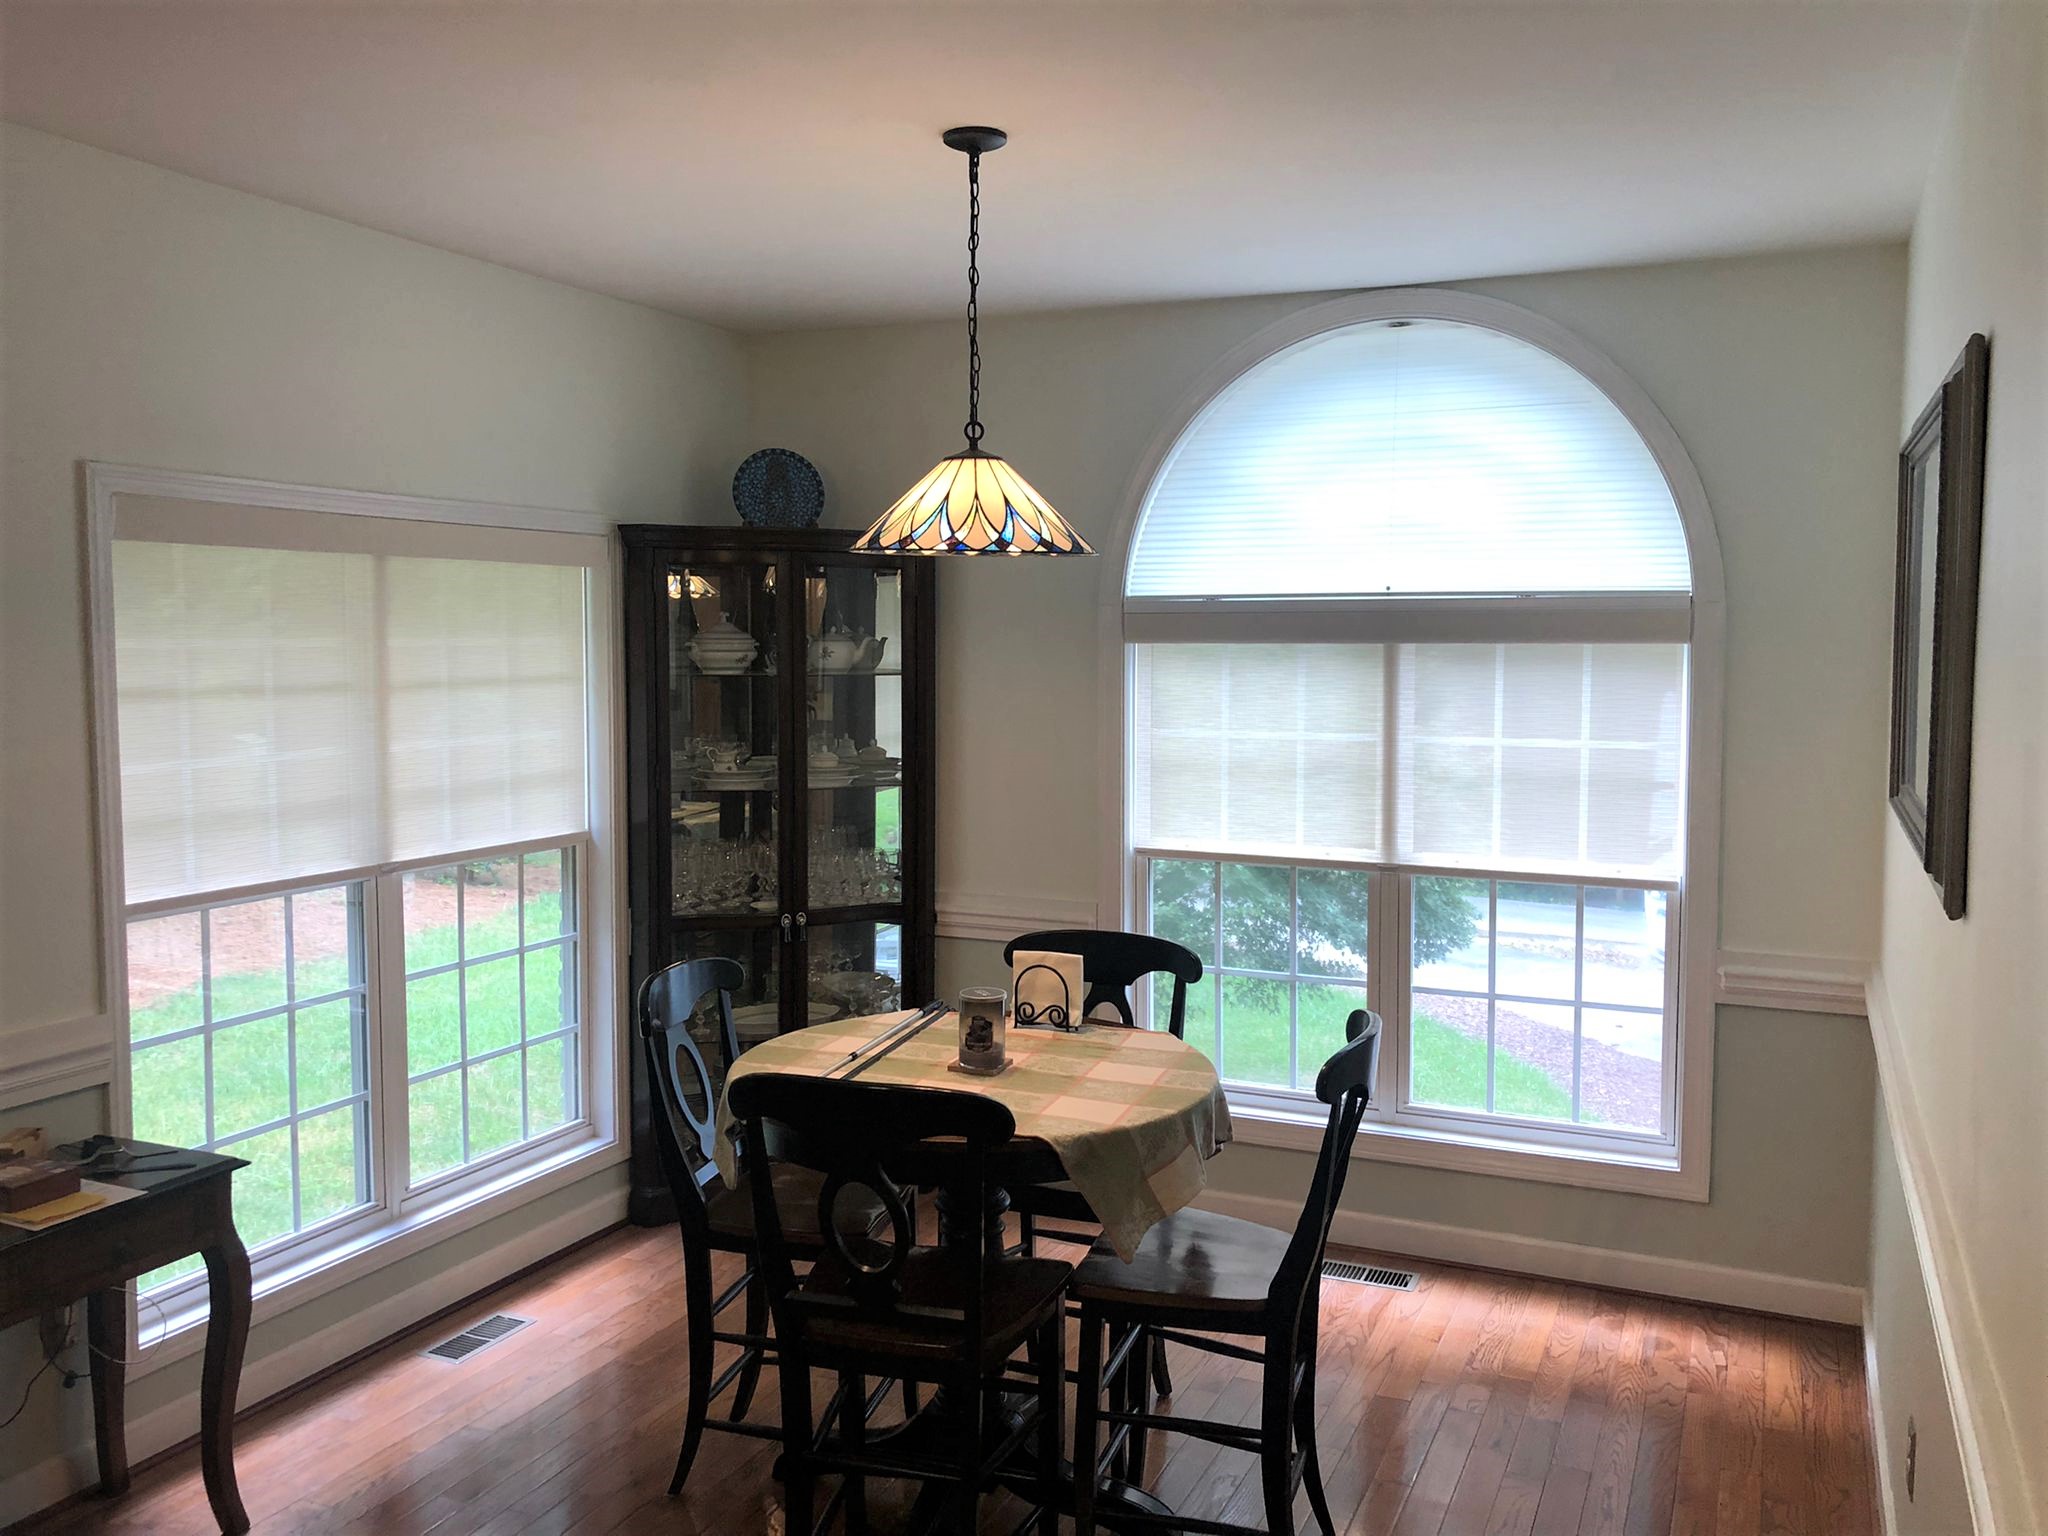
<point x="291" y="1061"/>
<point x="462" y="996"/>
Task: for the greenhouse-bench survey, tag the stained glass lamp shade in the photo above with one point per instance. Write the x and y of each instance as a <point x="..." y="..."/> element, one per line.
<point x="972" y="504"/>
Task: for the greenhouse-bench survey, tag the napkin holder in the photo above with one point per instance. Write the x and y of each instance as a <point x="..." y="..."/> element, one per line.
<point x="1048" y="987"/>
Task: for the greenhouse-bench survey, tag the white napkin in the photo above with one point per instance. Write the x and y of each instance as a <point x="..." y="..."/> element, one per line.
<point x="1046" y="987"/>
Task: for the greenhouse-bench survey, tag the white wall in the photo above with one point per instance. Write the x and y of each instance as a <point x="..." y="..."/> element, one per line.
<point x="1780" y="374"/>
<point x="152" y="319"/>
<point x="1967" y="1057"/>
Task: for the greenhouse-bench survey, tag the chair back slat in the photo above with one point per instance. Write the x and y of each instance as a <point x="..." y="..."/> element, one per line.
<point x="874" y="1139"/>
<point x="1113" y="962"/>
<point x="1345" y="1084"/>
<point x="680" y="1084"/>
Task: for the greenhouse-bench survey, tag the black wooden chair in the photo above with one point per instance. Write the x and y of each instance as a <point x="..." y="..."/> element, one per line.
<point x="1197" y="1270"/>
<point x="1111" y="964"/>
<point x="881" y="1305"/>
<point x="713" y="1217"/>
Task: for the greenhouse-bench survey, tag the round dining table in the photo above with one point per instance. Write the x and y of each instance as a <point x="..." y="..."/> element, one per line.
<point x="1128" y="1117"/>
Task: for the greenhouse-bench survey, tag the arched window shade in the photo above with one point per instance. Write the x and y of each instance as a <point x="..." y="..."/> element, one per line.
<point x="1409" y="457"/>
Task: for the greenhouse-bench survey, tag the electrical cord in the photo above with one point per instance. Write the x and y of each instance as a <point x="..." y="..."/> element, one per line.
<point x="50" y="1360"/>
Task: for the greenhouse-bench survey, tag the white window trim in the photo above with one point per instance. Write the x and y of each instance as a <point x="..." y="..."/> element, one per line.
<point x="1685" y="1173"/>
<point x="401" y="1223"/>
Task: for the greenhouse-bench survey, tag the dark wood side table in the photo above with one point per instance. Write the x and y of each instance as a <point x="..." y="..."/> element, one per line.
<point x="180" y="1211"/>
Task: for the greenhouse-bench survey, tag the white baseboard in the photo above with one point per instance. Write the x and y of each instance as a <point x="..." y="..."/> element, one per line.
<point x="1715" y="1284"/>
<point x="1748" y="978"/>
<point x="263" y="1376"/>
<point x="1887" y="1511"/>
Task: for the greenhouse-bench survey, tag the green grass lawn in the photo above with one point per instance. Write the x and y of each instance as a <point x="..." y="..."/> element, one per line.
<point x="1449" y="1068"/>
<point x="251" y="1069"/>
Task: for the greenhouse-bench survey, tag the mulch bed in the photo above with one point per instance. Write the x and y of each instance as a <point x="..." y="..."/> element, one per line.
<point x="1614" y="1086"/>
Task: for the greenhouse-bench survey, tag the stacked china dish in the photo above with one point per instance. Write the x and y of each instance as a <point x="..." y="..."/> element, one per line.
<point x="722" y="649"/>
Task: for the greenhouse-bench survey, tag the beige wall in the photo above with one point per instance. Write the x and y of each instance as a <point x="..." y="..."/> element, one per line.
<point x="152" y="319"/>
<point x="1780" y="375"/>
<point x="1971" y="1050"/>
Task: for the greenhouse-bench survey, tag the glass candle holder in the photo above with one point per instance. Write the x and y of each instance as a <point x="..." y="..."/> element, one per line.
<point x="984" y="1046"/>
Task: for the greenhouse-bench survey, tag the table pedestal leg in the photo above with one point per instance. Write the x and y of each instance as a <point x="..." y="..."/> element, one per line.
<point x="106" y="1338"/>
<point x="227" y="1333"/>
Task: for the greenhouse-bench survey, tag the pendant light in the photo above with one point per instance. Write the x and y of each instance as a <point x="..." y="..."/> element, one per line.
<point x="972" y="503"/>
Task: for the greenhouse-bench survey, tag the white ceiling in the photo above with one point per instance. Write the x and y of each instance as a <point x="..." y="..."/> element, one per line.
<point x="768" y="165"/>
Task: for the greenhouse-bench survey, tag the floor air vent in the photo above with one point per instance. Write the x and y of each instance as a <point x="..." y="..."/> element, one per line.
<point x="1368" y="1274"/>
<point x="477" y="1336"/>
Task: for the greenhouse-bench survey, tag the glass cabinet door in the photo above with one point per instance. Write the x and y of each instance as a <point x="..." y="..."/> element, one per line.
<point x="726" y="863"/>
<point x="853" y="789"/>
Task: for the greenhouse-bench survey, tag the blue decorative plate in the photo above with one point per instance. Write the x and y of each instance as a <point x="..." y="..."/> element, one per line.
<point x="778" y="489"/>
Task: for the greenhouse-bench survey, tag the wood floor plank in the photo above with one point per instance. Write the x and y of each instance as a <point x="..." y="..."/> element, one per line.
<point x="1476" y="1404"/>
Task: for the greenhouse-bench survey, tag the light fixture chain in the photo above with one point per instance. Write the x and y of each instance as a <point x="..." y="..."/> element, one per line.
<point x="973" y="301"/>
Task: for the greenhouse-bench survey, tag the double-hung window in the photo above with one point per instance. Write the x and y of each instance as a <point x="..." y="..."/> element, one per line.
<point x="1409" y="646"/>
<point x="360" y="813"/>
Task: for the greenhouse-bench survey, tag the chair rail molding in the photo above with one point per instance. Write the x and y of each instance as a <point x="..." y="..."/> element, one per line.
<point x="999" y="918"/>
<point x="45" y="1060"/>
<point x="1994" y="1464"/>
<point x="1758" y="978"/>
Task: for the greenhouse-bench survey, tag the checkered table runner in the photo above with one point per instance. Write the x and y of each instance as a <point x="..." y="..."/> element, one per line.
<point x="1134" y="1114"/>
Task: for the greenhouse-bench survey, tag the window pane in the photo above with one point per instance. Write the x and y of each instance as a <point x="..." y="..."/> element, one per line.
<point x="163" y="976"/>
<point x="263" y="1190"/>
<point x="433" y="1023"/>
<point x="251" y="1075"/>
<point x="516" y="979"/>
<point x="490" y="993"/>
<point x="1258" y="919"/>
<point x="1538" y="939"/>
<point x="329" y="1053"/>
<point x="495" y="1115"/>
<point x="168" y="1084"/>
<point x="549" y="1004"/>
<point x="1428" y="456"/>
<point x="1623" y="1069"/>
<point x="1451" y="932"/>
<point x="1323" y="1012"/>
<point x="245" y="956"/>
<point x="490" y="907"/>
<point x="1332" y="937"/>
<point x="323" y="950"/>
<point x="330" y="1160"/>
<point x="1200" y="1029"/>
<point x="1447" y="1051"/>
<point x="435" y="1122"/>
<point x="285" y="1067"/>
<point x="1184" y="904"/>
<point x="1255" y="1030"/>
<point x="1532" y="1067"/>
<point x="1625" y="947"/>
<point x="547" y="909"/>
<point x="431" y="934"/>
<point x="550" y="1085"/>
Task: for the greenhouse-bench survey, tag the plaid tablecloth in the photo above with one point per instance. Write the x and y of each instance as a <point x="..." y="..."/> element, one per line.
<point x="1134" y="1115"/>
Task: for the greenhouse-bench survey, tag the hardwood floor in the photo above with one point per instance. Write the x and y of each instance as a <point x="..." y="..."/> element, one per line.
<point x="1477" y="1404"/>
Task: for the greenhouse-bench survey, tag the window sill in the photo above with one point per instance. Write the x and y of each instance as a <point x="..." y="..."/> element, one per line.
<point x="1264" y="1126"/>
<point x="365" y="1251"/>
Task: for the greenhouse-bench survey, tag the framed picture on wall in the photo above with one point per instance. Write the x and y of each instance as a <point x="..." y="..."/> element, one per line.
<point x="1934" y="621"/>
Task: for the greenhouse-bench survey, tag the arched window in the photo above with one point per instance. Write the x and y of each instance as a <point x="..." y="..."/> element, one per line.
<point x="1409" y="617"/>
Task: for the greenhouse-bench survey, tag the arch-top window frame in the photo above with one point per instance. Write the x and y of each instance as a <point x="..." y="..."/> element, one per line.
<point x="1677" y="1167"/>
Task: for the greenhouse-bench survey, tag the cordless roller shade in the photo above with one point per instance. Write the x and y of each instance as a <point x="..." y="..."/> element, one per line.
<point x="1409" y="457"/>
<point x="303" y="694"/>
<point x="1541" y="759"/>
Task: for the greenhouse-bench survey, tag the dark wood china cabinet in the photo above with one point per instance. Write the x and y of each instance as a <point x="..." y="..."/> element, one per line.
<point x="780" y="778"/>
